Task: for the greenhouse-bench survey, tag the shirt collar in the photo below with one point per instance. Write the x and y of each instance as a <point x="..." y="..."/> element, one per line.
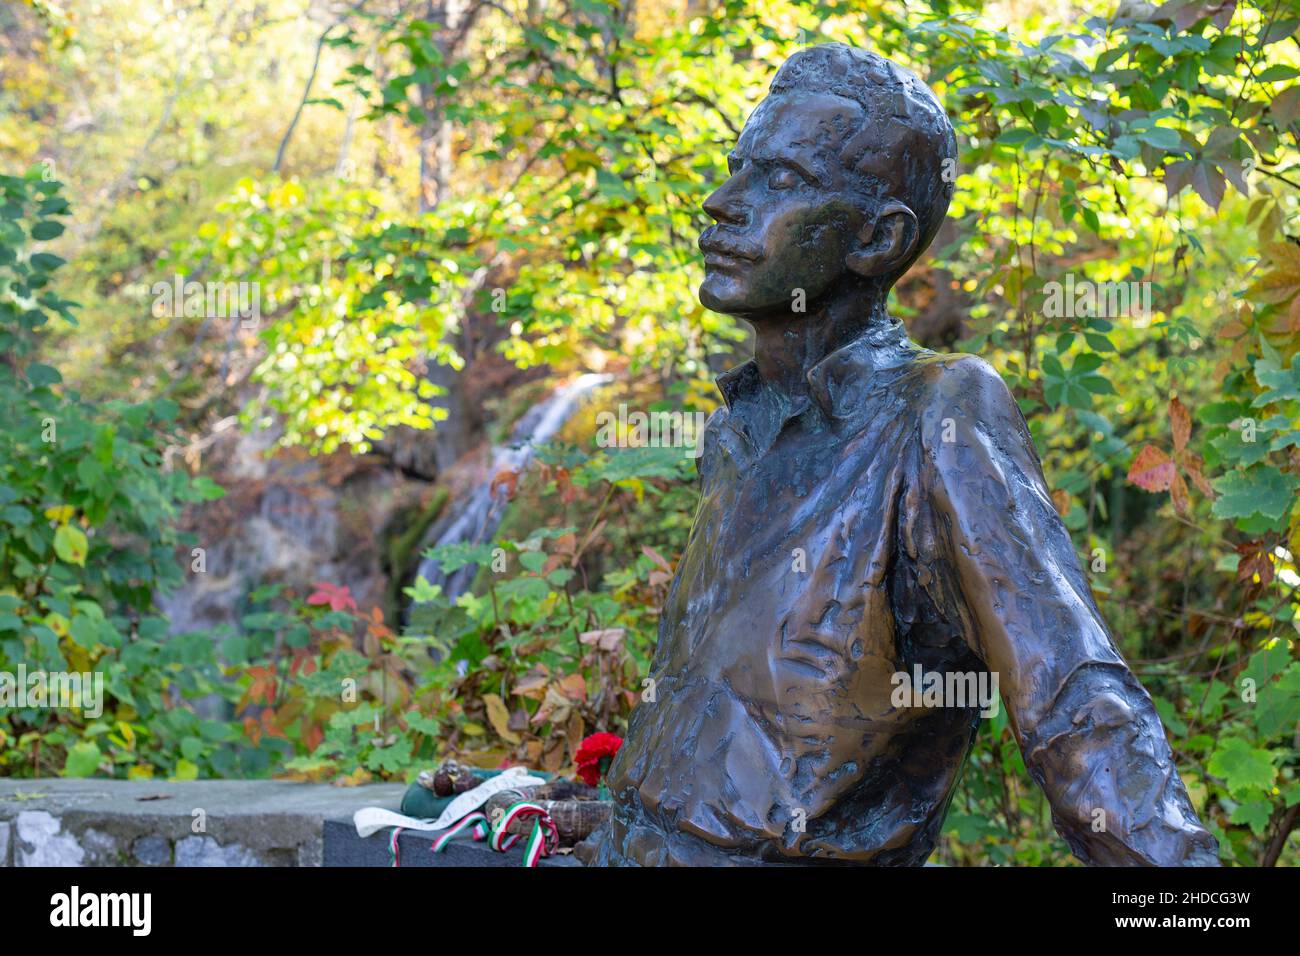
<point x="837" y="380"/>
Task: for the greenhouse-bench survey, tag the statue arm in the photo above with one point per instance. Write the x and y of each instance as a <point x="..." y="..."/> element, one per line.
<point x="1089" y="732"/>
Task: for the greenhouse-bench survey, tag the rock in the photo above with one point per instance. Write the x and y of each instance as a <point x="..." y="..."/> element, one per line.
<point x="41" y="841"/>
<point x="205" y="851"/>
<point x="101" y="848"/>
<point x="152" y="851"/>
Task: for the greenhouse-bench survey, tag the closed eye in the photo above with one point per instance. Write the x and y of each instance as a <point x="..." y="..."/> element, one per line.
<point x="783" y="178"/>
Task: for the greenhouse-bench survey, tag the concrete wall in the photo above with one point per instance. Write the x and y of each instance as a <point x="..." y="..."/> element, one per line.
<point x="202" y="823"/>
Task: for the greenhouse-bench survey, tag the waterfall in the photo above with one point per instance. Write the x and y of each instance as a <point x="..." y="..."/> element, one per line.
<point x="476" y="519"/>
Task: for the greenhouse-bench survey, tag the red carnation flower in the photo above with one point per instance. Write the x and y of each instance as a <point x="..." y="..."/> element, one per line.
<point x="594" y="755"/>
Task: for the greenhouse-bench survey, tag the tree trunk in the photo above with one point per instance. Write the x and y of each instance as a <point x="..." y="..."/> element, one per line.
<point x="447" y="17"/>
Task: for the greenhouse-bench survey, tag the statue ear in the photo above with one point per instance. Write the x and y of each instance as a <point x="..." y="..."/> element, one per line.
<point x="884" y="241"/>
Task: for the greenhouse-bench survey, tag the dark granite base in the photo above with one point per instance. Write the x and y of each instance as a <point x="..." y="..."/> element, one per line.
<point x="344" y="848"/>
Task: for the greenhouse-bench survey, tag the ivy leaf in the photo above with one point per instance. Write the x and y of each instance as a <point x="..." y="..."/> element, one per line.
<point x="1253" y="812"/>
<point x="1261" y="490"/>
<point x="1152" y="470"/>
<point x="1278" y="701"/>
<point x="1283" y="384"/>
<point x="1241" y="766"/>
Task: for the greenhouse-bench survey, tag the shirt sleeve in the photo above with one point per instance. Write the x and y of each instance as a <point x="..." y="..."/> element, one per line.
<point x="1089" y="732"/>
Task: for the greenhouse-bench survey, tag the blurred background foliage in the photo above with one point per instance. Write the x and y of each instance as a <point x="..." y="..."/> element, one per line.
<point x="449" y="207"/>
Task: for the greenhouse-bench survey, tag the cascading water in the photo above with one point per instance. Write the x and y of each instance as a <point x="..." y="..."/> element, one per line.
<point x="476" y="519"/>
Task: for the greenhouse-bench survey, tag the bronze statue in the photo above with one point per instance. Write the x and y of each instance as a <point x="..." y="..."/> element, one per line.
<point x="871" y="513"/>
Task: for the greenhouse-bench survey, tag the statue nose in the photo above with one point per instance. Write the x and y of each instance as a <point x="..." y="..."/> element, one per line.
<point x="723" y="206"/>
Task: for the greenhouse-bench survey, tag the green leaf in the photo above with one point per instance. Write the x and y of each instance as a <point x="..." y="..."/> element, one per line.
<point x="1256" y="813"/>
<point x="82" y="760"/>
<point x="46" y="261"/>
<point x="1162" y="137"/>
<point x="48" y="229"/>
<point x="1281" y="384"/>
<point x="1261" y="490"/>
<point x="532" y="560"/>
<point x="207" y="489"/>
<point x="70" y="544"/>
<point x="1241" y="766"/>
<point x="42" y="375"/>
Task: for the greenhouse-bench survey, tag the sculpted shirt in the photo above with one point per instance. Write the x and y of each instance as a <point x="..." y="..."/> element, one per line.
<point x="896" y="518"/>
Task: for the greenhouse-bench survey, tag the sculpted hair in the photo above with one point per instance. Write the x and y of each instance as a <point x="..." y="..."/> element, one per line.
<point x="900" y="150"/>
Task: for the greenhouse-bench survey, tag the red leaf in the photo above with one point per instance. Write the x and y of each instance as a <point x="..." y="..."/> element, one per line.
<point x="338" y="597"/>
<point x="1181" y="421"/>
<point x="312" y="735"/>
<point x="1152" y="470"/>
<point x="1178" y="492"/>
<point x="507" y="479"/>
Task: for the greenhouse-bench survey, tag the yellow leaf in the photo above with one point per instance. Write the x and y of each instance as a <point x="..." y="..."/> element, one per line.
<point x="499" y="718"/>
<point x="62" y="513"/>
<point x="354" y="779"/>
<point x="70" y="544"/>
<point x="1286" y="255"/>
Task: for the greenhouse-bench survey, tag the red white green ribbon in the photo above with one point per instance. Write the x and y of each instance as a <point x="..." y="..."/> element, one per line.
<point x="394" y="852"/>
<point x="474" y="822"/>
<point x="542" y="841"/>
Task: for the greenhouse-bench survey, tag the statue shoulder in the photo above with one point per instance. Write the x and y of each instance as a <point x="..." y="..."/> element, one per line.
<point x="963" y="384"/>
<point x="964" y="402"/>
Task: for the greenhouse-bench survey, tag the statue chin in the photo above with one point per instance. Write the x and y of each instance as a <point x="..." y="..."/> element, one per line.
<point x="718" y="293"/>
<point x="723" y="293"/>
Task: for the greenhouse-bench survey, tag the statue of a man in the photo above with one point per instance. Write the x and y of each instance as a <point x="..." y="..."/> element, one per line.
<point x="873" y="515"/>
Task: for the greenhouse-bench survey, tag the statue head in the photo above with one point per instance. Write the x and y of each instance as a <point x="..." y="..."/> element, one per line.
<point x="838" y="182"/>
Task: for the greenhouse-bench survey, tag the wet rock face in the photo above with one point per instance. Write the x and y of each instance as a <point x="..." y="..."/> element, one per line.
<point x="288" y="518"/>
<point x="359" y="521"/>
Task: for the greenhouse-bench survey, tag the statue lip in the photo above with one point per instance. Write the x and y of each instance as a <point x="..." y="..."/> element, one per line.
<point x="722" y="250"/>
<point x="722" y="247"/>
<point x="721" y="262"/>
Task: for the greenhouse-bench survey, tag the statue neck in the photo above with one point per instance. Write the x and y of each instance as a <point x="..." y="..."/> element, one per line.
<point x="787" y="345"/>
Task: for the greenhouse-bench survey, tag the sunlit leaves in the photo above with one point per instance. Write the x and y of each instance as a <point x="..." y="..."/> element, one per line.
<point x="1075" y="385"/>
<point x="88" y="539"/>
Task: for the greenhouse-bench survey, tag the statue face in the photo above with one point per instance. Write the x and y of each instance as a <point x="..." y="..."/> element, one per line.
<point x="789" y="214"/>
